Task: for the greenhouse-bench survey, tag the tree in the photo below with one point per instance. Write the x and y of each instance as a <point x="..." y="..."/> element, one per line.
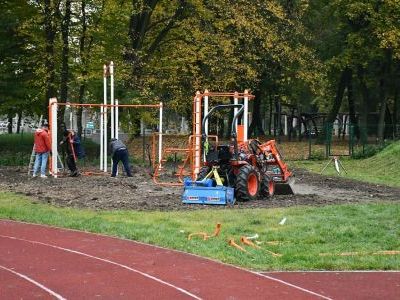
<point x="15" y="71"/>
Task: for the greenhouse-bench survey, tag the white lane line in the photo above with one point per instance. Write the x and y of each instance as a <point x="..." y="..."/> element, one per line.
<point x="107" y="261"/>
<point x="294" y="286"/>
<point x="34" y="282"/>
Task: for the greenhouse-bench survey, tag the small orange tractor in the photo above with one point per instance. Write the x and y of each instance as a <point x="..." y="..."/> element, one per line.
<point x="242" y="170"/>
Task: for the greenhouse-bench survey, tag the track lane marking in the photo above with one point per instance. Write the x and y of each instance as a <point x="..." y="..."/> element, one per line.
<point x="107" y="261"/>
<point x="294" y="286"/>
<point x="185" y="253"/>
<point x="58" y="296"/>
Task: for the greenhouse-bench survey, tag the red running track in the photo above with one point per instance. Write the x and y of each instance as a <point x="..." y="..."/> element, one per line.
<point x="45" y="262"/>
<point x="346" y="285"/>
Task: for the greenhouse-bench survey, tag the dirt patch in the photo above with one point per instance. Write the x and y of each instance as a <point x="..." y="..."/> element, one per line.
<point x="140" y="193"/>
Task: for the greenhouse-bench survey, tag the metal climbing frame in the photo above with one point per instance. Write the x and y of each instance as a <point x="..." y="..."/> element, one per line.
<point x="194" y="149"/>
<point x="53" y="107"/>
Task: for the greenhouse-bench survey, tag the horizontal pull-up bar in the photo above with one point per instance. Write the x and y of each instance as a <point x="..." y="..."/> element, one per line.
<point x="107" y="105"/>
<point x="235" y="95"/>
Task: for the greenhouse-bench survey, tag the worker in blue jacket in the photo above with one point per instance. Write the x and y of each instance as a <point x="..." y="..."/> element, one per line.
<point x="119" y="152"/>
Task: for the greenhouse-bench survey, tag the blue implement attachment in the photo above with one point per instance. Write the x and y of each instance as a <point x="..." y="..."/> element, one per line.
<point x="205" y="192"/>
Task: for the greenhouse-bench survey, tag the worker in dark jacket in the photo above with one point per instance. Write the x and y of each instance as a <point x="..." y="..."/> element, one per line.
<point x="68" y="141"/>
<point x="119" y="152"/>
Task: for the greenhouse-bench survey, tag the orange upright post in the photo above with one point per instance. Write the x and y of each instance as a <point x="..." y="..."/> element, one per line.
<point x="240" y="133"/>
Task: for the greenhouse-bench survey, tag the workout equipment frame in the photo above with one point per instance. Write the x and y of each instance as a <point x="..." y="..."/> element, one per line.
<point x="53" y="127"/>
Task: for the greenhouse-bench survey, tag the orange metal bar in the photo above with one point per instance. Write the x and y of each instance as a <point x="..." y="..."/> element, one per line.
<point x="196" y="154"/>
<point x="234" y="94"/>
<point x="109" y="105"/>
<point x="159" y="167"/>
<point x="153" y="151"/>
<point x="182" y="167"/>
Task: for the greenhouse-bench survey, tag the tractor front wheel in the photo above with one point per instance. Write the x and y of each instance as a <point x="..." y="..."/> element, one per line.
<point x="267" y="186"/>
<point x="247" y="183"/>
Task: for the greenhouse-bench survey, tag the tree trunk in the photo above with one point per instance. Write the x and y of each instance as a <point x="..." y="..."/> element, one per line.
<point x="389" y="130"/>
<point x="82" y="54"/>
<point x="65" y="52"/>
<point x="50" y="33"/>
<point x="139" y="24"/>
<point x="352" y="108"/>
<point x="396" y="111"/>
<point x="277" y="120"/>
<point x="344" y="126"/>
<point x="382" y="110"/>
<point x="19" y="121"/>
<point x="291" y="118"/>
<point x="383" y="96"/>
<point x="221" y="125"/>
<point x="396" y="104"/>
<point x="270" y="116"/>
<point x="343" y="81"/>
<point x="365" y="106"/>
<point x="299" y="122"/>
<point x="10" y="123"/>
<point x="256" y="124"/>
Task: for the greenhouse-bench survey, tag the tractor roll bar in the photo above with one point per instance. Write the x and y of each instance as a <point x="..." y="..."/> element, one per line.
<point x="233" y="127"/>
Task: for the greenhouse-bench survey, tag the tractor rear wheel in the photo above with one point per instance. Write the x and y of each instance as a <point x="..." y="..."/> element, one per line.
<point x="267" y="186"/>
<point x="247" y="183"/>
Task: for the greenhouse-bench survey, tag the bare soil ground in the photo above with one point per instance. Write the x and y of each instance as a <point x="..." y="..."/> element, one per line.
<point x="140" y="193"/>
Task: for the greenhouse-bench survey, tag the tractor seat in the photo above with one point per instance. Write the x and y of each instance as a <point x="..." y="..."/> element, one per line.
<point x="221" y="154"/>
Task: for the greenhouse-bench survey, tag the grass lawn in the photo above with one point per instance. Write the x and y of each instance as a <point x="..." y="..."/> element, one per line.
<point x="307" y="232"/>
<point x="382" y="168"/>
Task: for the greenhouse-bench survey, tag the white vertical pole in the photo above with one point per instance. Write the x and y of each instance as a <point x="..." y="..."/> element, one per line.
<point x="245" y="115"/>
<point x="105" y="122"/>
<point x="286" y="126"/>
<point x="101" y="136"/>
<point x="141" y="127"/>
<point x="160" y="129"/>
<point x="105" y="141"/>
<point x="116" y="119"/>
<point x="206" y="123"/>
<point x="206" y="111"/>
<point x="112" y="99"/>
<point x="54" y="156"/>
<point x="71" y="126"/>
<point x="235" y="109"/>
<point x="197" y="146"/>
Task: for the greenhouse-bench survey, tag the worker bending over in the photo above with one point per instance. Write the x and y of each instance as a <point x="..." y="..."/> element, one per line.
<point x="119" y="152"/>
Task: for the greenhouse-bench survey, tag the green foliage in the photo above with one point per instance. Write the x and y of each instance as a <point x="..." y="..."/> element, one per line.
<point x="367" y="151"/>
<point x="317" y="154"/>
<point x="307" y="233"/>
<point x="15" y="64"/>
<point x="16" y="142"/>
<point x="287" y="51"/>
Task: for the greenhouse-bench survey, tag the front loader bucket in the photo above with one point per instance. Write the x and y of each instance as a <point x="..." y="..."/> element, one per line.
<point x="284" y="188"/>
